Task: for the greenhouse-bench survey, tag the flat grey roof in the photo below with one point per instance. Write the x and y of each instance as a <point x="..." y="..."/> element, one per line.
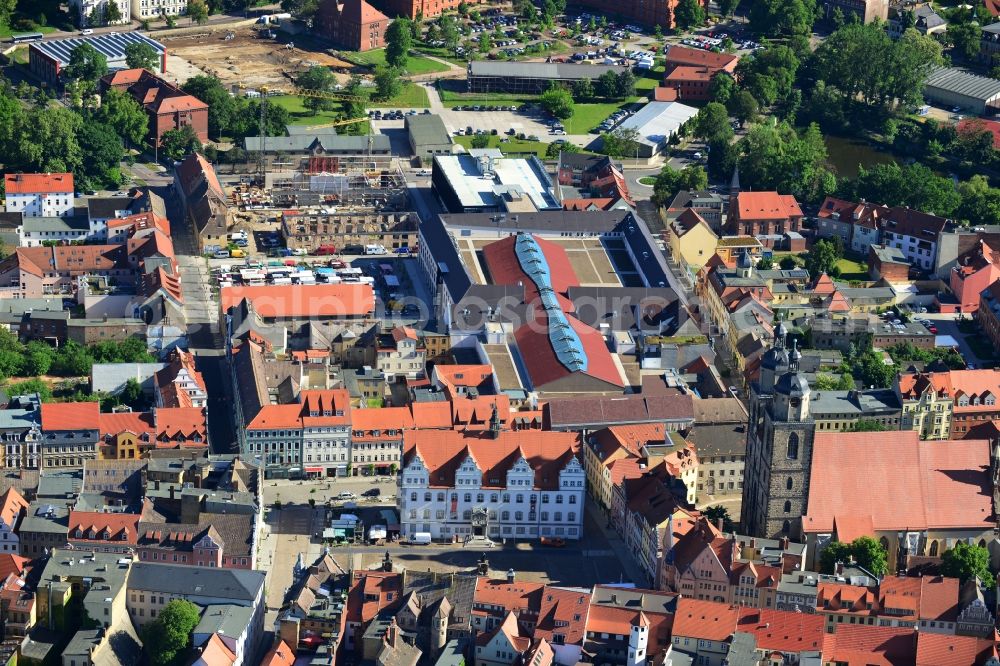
<point x="427" y="128"/>
<point x="547" y="222"/>
<point x="856" y="403"/>
<point x="112" y="46"/>
<point x="57" y="224"/>
<point x="961" y="82"/>
<point x="540" y="70"/>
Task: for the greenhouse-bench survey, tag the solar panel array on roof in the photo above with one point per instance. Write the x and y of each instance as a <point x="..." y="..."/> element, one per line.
<point x="111" y="46"/>
<point x="564" y="340"/>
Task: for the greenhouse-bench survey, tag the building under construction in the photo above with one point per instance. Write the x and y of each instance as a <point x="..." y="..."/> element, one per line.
<point x="312" y="230"/>
<point x="352" y="182"/>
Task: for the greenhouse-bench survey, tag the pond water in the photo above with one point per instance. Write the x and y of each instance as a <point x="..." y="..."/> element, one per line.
<point x="846" y="155"/>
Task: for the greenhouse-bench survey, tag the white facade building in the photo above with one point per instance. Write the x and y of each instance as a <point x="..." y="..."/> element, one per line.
<point x="39" y="194"/>
<point x="310" y="437"/>
<point x="494" y="491"/>
<point x="152" y="9"/>
<point x="86" y="8"/>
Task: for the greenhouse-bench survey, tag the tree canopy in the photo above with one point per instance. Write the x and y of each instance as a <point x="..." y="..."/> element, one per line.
<point x="965" y="561"/>
<point x="86" y="64"/>
<point x="776" y="157"/>
<point x="142" y="55"/>
<point x="557" y="101"/>
<point x="777" y="18"/>
<point x="168" y="636"/>
<point x="398" y="42"/>
<point x="670" y="181"/>
<point x="866" y="551"/>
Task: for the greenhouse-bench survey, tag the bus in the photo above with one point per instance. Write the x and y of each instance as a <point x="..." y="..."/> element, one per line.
<point x="27" y="37"/>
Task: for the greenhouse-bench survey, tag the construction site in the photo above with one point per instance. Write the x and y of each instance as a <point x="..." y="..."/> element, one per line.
<point x="251" y="58"/>
<point x="365" y="185"/>
<point x="309" y="230"/>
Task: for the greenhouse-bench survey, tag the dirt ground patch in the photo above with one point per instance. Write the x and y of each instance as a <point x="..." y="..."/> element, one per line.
<point x="249" y="61"/>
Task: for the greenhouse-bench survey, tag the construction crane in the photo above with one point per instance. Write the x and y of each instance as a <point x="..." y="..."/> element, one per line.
<point x="266" y="91"/>
<point x="338" y="123"/>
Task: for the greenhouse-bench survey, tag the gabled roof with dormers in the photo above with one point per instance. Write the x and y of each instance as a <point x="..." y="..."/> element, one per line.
<point x="444" y="452"/>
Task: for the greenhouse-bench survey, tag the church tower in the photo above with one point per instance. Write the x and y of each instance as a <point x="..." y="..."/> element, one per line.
<point x="779" y="450"/>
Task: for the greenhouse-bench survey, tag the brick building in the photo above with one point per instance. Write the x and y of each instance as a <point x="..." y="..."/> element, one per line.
<point x="690" y="71"/>
<point x="426" y="8"/>
<point x="659" y="12"/>
<point x="167" y="106"/>
<point x="353" y="24"/>
<point x="763" y="214"/>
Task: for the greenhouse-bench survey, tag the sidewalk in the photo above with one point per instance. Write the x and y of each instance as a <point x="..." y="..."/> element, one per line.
<point x="631" y="567"/>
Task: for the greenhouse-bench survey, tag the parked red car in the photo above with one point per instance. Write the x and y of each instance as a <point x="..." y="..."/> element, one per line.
<point x="326" y="250"/>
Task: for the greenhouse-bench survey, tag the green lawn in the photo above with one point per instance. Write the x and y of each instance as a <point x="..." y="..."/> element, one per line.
<point x="451" y="98"/>
<point x="415" y="65"/>
<point x="588" y="116"/>
<point x="852" y="270"/>
<point x="508" y="147"/>
<point x="7" y="31"/>
<point x="647" y="180"/>
<point x="412" y="96"/>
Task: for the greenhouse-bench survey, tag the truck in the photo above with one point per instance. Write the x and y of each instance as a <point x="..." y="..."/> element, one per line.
<point x="375" y="249"/>
<point x="421" y="538"/>
<point x="237" y="253"/>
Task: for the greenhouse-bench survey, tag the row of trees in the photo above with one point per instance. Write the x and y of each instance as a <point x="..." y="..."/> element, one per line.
<point x="235" y="117"/>
<point x="963" y="562"/>
<point x="38" y="358"/>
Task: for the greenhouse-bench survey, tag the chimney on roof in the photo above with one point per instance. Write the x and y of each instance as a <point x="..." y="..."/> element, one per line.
<point x="784" y="543"/>
<point x="391" y="633"/>
<point x="483" y="566"/>
<point x="838" y="568"/>
<point x="510" y="575"/>
<point x="719" y="523"/>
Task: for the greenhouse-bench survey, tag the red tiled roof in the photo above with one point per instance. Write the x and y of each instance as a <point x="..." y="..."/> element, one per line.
<point x="705" y="620"/>
<point x="614" y="620"/>
<point x="298" y="415"/>
<point x="171" y="393"/>
<point x="372" y="592"/>
<point x="38" y="183"/>
<point x="215" y="652"/>
<point x="463" y="375"/>
<point x="71" y="416"/>
<point x="784" y="631"/>
<point x="547" y="453"/>
<point x="476" y="413"/>
<point x="505" y="269"/>
<point x="403" y="333"/>
<point x="909" y="222"/>
<point x="12" y="503"/>
<point x="600" y="203"/>
<point x="939" y="649"/>
<point x="431" y="415"/>
<point x="870" y="645"/>
<point x="543" y="365"/>
<point x="298" y="300"/>
<point x="683" y="55"/>
<point x="115" y="523"/>
<point x="939" y="598"/>
<point x="136" y="423"/>
<point x="690" y="73"/>
<point x="949" y="486"/>
<point x="140" y="222"/>
<point x="993" y="6"/>
<point x="125" y="76"/>
<point x="767" y="206"/>
<point x="517" y="597"/>
<point x="563" y="612"/>
<point x="862" y="214"/>
<point x="280" y="655"/>
<point x="381" y="418"/>
<point x="360" y="13"/>
<point x="11" y="564"/>
<point x="186" y="426"/>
